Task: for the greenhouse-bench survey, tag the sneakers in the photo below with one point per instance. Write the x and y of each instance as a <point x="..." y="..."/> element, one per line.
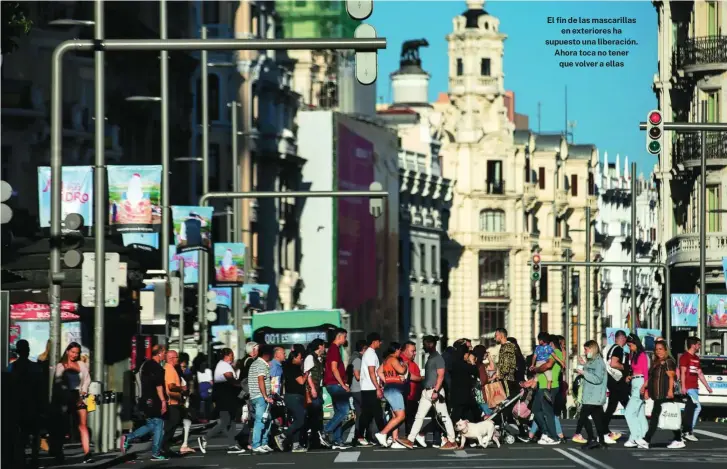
<point x="643" y="444"/>
<point x="677" y="444"/>
<point x="125" y="444"/>
<point x="235" y="450"/>
<point x="578" y="438"/>
<point x="525" y="439"/>
<point x="690" y="437"/>
<point x="449" y="445"/>
<point x="324" y="439"/>
<point x="362" y="442"/>
<point x="280" y="441"/>
<point x="259" y="450"/>
<point x="340" y="446"/>
<point x="405" y="443"/>
<point x="159" y="457"/>
<point x="297" y="448"/>
<point x="614" y="436"/>
<point x="548" y="441"/>
<point x="396" y="445"/>
<point x="382" y="440"/>
<point x="421" y="441"/>
<point x="630" y="444"/>
<point x="202" y="444"/>
<point x="268" y="448"/>
<point x="608" y="440"/>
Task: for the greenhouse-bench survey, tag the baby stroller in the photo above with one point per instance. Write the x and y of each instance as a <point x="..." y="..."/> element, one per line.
<point x="520" y="404"/>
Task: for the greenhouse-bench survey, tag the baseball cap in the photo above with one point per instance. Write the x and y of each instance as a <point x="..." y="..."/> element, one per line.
<point x="430" y="339"/>
<point x="373" y="337"/>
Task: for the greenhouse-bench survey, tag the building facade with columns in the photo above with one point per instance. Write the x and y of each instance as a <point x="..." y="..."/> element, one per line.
<point x="691" y="79"/>
<point x="517" y="193"/>
<point x="615" y="230"/>
<point x="424" y="200"/>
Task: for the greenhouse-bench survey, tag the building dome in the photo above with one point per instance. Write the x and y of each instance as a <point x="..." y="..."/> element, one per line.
<point x="475" y="9"/>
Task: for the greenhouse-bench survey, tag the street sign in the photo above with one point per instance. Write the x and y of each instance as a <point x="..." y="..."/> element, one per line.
<point x="88" y="279"/>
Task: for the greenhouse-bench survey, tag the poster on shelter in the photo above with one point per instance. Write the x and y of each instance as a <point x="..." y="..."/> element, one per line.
<point x="229" y="264"/>
<point x="192" y="228"/>
<point x="191" y="264"/>
<point x="141" y="241"/>
<point x="134" y="198"/>
<point x="76" y="193"/>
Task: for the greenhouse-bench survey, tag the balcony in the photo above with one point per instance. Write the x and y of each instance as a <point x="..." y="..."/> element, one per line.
<point x="496" y="241"/>
<point x="561" y="201"/>
<point x="495" y="187"/>
<point x="530" y="195"/>
<point x="701" y="54"/>
<point x="684" y="249"/>
<point x="687" y="149"/>
<point x="476" y="84"/>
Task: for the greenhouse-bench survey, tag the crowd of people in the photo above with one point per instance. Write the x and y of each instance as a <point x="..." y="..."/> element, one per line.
<point x="387" y="398"/>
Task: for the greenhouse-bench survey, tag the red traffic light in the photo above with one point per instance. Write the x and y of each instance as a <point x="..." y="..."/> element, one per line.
<point x="655" y="118"/>
<point x="536" y="259"/>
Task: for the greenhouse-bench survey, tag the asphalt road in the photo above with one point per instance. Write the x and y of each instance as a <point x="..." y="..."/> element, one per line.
<point x="711" y="449"/>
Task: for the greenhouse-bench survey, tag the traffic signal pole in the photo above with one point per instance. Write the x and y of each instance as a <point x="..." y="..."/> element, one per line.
<point x="56" y="275"/>
<point x="701" y="127"/>
<point x="206" y="198"/>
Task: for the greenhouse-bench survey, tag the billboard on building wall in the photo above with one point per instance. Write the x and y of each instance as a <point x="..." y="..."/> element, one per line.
<point x="355" y="252"/>
<point x="684" y="310"/>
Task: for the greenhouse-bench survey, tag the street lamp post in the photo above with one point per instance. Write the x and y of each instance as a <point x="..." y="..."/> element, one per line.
<point x="164" y="78"/>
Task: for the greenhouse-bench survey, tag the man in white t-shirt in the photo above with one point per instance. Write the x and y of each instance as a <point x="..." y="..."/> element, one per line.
<point x="371" y="390"/>
<point x="225" y="391"/>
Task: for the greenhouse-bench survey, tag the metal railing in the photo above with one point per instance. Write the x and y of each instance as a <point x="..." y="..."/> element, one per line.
<point x="687" y="149"/>
<point x="685" y="248"/>
<point x="702" y="51"/>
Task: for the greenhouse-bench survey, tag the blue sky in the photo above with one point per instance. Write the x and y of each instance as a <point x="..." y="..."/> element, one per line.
<point x="606" y="103"/>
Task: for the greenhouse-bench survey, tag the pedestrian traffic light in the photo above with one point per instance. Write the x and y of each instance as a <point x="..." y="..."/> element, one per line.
<point x="535" y="268"/>
<point x="654" y="132"/>
<point x="6" y="213"/>
<point x="376" y="205"/>
<point x="366" y="62"/>
<point x="359" y="9"/>
<point x="72" y="240"/>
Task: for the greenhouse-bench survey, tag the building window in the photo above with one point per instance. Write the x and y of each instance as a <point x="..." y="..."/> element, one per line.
<point x="492" y="317"/>
<point x="412" y="259"/>
<point x="543" y="284"/>
<point x="435" y="317"/>
<point x="712" y="19"/>
<point x="713" y="107"/>
<point x="574" y="185"/>
<point x="485" y="67"/>
<point x="213" y="97"/>
<point x="422" y="312"/>
<point x="543" y="322"/>
<point x="607" y="275"/>
<point x="434" y="262"/>
<point x="558" y="228"/>
<point x="422" y="260"/>
<point x="460" y="68"/>
<point x="527" y="169"/>
<point x="591" y="184"/>
<point x="623" y="229"/>
<point x="541" y="178"/>
<point x="714" y="217"/>
<point x="627" y="276"/>
<point x="494" y="178"/>
<point x="493" y="267"/>
<point x="492" y="221"/>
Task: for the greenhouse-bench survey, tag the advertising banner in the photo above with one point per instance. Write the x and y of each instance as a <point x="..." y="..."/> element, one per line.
<point x="76" y="193"/>
<point x="134" y="198"/>
<point x="224" y="336"/>
<point x="648" y="337"/>
<point x="684" y="310"/>
<point x="37" y="334"/>
<point x="141" y="241"/>
<point x="229" y="264"/>
<point x="724" y="270"/>
<point x="255" y="296"/>
<point x="356" y="240"/>
<point x="30" y="311"/>
<point x="192" y="228"/>
<point x="191" y="264"/>
<point x="224" y="297"/>
<point x="717" y="311"/>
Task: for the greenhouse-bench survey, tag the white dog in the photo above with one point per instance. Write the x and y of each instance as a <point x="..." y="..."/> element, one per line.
<point x="483" y="432"/>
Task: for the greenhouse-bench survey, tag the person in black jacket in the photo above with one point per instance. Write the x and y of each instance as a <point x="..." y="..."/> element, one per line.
<point x="463" y="373"/>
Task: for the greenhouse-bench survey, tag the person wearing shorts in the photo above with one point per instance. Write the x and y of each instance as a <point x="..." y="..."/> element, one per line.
<point x="394" y="374"/>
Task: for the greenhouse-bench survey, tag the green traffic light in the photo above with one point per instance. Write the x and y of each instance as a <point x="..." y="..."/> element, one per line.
<point x="654" y="147"/>
<point x="535" y="276"/>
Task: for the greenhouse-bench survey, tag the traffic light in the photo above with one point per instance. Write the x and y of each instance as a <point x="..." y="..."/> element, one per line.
<point x="6" y="213"/>
<point x="535" y="268"/>
<point x="654" y="132"/>
<point x="376" y="205"/>
<point x="72" y="240"/>
<point x="366" y="62"/>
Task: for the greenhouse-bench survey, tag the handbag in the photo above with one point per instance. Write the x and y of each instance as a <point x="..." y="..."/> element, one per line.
<point x="670" y="417"/>
<point x="308" y="397"/>
<point x="494" y="393"/>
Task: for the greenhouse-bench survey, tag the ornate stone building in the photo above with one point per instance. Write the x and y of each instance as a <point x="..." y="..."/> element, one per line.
<point x="424" y="199"/>
<point x="517" y="193"/>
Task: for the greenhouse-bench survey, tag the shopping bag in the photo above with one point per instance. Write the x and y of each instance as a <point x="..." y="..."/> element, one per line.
<point x="670" y="417"/>
<point x="494" y="393"/>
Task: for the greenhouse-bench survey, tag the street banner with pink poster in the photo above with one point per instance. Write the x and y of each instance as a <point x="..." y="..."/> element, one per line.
<point x="229" y="264"/>
<point x="134" y="198"/>
<point x="356" y="240"/>
<point x="717" y="311"/>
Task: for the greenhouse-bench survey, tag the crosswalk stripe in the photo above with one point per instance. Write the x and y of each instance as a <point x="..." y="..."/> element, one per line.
<point x="348" y="457"/>
<point x="712" y="434"/>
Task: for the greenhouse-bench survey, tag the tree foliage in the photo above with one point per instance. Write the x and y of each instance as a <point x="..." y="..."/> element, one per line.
<point x="15" y="23"/>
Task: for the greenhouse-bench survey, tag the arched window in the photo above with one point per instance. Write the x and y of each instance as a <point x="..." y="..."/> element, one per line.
<point x="213" y="98"/>
<point x="492" y="221"/>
